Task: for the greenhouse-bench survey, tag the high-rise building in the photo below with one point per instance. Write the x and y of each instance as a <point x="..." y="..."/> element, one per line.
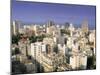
<point x="50" y="23"/>
<point x="24" y="47"/>
<point x="67" y="24"/>
<point x="50" y="44"/>
<point x="92" y="37"/>
<point x="62" y="49"/>
<point x="78" y="61"/>
<point x="15" y="27"/>
<point x="85" y="26"/>
<point x="50" y="27"/>
<point x="71" y="28"/>
<point x="36" y="49"/>
<point x="50" y="62"/>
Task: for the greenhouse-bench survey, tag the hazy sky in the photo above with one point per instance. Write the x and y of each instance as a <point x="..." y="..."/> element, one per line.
<point x="34" y="12"/>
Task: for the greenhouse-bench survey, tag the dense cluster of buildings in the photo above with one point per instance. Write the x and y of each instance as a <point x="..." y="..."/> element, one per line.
<point x="63" y="48"/>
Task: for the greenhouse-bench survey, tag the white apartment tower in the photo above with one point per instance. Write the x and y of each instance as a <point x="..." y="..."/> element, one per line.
<point x="78" y="61"/>
<point x="36" y="50"/>
<point x="15" y="27"/>
<point x="71" y="28"/>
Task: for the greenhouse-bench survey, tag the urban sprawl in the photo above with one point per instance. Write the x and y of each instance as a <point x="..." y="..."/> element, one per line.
<point x="52" y="48"/>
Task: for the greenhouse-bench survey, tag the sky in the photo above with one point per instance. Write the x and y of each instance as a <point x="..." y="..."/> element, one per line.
<point x="37" y="12"/>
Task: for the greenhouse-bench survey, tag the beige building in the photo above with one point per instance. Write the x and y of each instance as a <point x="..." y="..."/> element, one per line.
<point x="51" y="61"/>
<point x="50" y="43"/>
<point x="78" y="61"/>
<point x="24" y="47"/>
<point x="85" y="26"/>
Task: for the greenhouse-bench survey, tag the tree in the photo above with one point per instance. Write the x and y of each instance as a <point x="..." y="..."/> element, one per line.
<point x="63" y="31"/>
<point x="17" y="51"/>
<point x="16" y="38"/>
<point x="90" y="62"/>
<point x="33" y="39"/>
<point x="36" y="38"/>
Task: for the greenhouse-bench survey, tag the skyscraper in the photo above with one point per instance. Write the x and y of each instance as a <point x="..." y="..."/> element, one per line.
<point x="15" y="27"/>
<point x="67" y="24"/>
<point x="85" y="26"/>
<point x="50" y="23"/>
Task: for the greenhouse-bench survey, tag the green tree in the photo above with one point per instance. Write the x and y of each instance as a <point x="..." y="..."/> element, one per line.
<point x="91" y="62"/>
<point x="33" y="39"/>
<point x="63" y="31"/>
<point x="17" y="51"/>
<point x="16" y="38"/>
<point x="36" y="38"/>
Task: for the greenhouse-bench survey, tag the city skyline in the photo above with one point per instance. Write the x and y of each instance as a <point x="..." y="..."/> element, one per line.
<point x="29" y="12"/>
<point x="58" y="38"/>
